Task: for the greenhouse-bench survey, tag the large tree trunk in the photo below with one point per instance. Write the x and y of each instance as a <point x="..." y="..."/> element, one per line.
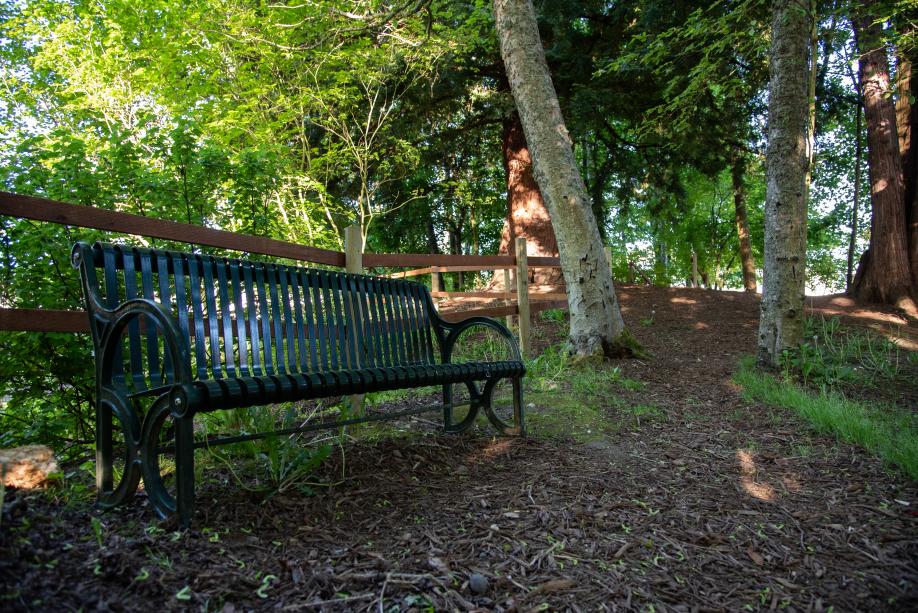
<point x="596" y="326"/>
<point x="781" y="323"/>
<point x="907" y="123"/>
<point x="527" y="215"/>
<point x="886" y="274"/>
<point x="738" y="171"/>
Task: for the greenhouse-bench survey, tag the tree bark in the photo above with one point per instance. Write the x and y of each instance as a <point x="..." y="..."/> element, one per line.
<point x="886" y="274"/>
<point x="858" y="157"/>
<point x="738" y="171"/>
<point x="781" y="322"/>
<point x="811" y="99"/>
<point x="434" y="247"/>
<point x="596" y="325"/>
<point x="907" y="123"/>
<point x="527" y="215"/>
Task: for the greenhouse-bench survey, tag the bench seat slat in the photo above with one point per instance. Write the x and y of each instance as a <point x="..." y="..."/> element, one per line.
<point x="247" y="391"/>
<point x="152" y="336"/>
<point x="240" y="334"/>
<point x="226" y="331"/>
<point x="252" y="321"/>
<point x="165" y="293"/>
<point x="197" y="307"/>
<point x="134" y="347"/>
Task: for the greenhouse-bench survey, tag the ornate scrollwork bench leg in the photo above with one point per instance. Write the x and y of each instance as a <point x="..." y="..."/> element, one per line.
<point x="518" y="426"/>
<point x="167" y="417"/>
<point x="112" y="404"/>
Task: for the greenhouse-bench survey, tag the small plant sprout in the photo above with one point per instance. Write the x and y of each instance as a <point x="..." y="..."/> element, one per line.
<point x="262" y="590"/>
<point x="183" y="594"/>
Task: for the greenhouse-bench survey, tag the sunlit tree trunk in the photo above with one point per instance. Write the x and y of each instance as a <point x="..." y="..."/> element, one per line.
<point x="527" y="215"/>
<point x="781" y="322"/>
<point x="885" y="276"/>
<point x="596" y="326"/>
<point x="738" y="171"/>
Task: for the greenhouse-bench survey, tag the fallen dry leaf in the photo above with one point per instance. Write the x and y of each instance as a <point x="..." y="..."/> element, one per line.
<point x="755" y="556"/>
<point x="554" y="585"/>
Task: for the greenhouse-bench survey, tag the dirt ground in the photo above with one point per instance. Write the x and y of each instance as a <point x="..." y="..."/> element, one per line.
<point x="719" y="505"/>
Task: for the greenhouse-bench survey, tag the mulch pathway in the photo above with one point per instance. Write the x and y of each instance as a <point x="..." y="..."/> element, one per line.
<point x="717" y="505"/>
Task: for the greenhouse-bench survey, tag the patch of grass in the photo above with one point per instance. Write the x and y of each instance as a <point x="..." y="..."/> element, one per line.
<point x="558" y="316"/>
<point x="646" y="412"/>
<point x="845" y="357"/>
<point x="883" y="430"/>
<point x="572" y="395"/>
<point x="564" y="415"/>
<point x="283" y="461"/>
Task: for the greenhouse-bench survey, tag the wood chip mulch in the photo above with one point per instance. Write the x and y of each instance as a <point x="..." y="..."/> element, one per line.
<point x="721" y="505"/>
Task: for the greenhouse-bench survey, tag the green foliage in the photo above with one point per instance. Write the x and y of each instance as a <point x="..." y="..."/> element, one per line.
<point x="886" y="431"/>
<point x="578" y="397"/>
<point x="837" y="356"/>
<point x="285" y="462"/>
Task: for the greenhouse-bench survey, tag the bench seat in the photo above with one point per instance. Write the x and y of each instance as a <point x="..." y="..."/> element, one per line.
<point x="252" y="391"/>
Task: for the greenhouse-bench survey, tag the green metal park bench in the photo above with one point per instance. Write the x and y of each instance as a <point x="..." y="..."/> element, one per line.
<point x="176" y="334"/>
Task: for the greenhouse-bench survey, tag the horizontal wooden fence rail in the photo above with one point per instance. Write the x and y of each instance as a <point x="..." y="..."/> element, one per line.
<point x="52" y="211"/>
<point x="499" y="311"/>
<point x="432" y="269"/>
<point x="42" y="209"/>
<point x="43" y="320"/>
<point x="498" y="295"/>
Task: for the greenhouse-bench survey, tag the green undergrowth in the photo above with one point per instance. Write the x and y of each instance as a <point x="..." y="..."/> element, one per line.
<point x="579" y="398"/>
<point x="851" y="360"/>
<point x="882" y="429"/>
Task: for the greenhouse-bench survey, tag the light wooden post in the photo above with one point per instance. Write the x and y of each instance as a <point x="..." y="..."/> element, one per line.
<point x="353" y="263"/>
<point x="508" y="289"/>
<point x="435" y="279"/>
<point x="522" y="296"/>
<point x="695" y="269"/>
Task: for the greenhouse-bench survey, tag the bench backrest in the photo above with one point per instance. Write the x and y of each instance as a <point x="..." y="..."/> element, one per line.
<point x="249" y="318"/>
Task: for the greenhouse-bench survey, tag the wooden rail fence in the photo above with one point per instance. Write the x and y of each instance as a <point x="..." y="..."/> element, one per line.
<point x="524" y="301"/>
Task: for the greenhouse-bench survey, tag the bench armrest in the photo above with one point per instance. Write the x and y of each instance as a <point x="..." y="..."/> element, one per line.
<point x="116" y="321"/>
<point x="455" y="329"/>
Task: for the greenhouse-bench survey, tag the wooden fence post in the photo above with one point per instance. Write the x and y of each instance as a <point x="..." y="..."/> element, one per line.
<point x="522" y="296"/>
<point x="508" y="288"/>
<point x="353" y="263"/>
<point x="695" y="269"/>
<point x="435" y="279"/>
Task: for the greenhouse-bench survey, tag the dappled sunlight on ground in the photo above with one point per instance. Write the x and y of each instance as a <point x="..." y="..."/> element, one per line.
<point x="682" y="300"/>
<point x="792" y="483"/>
<point x="748" y="471"/>
<point x="882" y="320"/>
<point x="493" y="449"/>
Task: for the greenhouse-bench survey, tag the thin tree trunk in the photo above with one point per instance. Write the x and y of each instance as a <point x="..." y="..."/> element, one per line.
<point x="738" y="171"/>
<point x="781" y="322"/>
<point x="596" y="325"/>
<point x="811" y="98"/>
<point x="886" y="274"/>
<point x="434" y="247"/>
<point x="858" y="162"/>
